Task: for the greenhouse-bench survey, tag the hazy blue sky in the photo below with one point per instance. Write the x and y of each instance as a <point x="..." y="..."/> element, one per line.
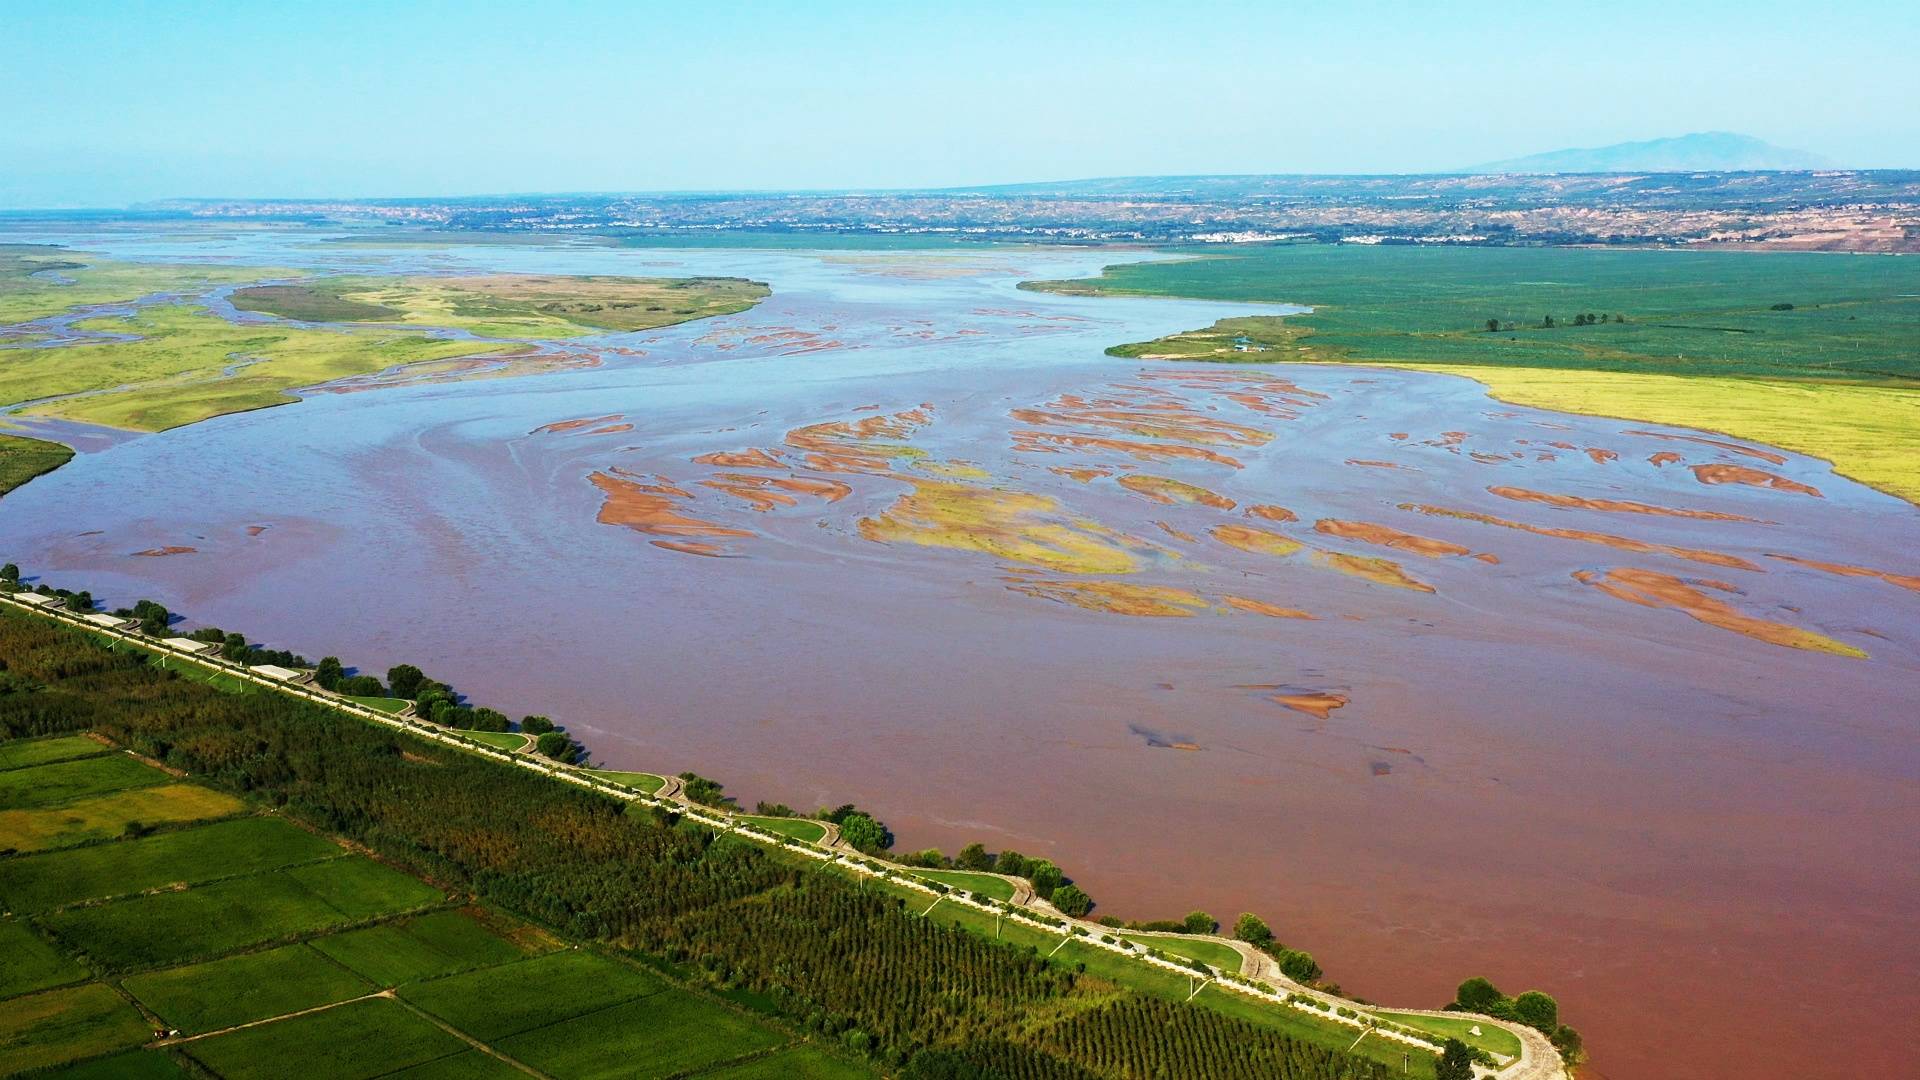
<point x="110" y="103"/>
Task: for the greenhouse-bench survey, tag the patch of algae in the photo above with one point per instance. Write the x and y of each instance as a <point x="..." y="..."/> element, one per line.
<point x="1378" y="571"/>
<point x="1019" y="527"/>
<point x="1649" y="588"/>
<point x="1118" y="597"/>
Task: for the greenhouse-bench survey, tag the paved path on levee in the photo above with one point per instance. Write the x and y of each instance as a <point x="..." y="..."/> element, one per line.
<point x="1538" y="1060"/>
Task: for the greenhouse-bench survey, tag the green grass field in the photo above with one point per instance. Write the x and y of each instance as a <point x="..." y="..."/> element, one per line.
<point x="984" y="884"/>
<point x="63" y="1025"/>
<point x="64" y="781"/>
<point x="383" y="704"/>
<point x="805" y="830"/>
<point x="646" y="783"/>
<point x="426" y="947"/>
<point x="658" y="1035"/>
<point x="26" y="752"/>
<point x="356" y="1041"/>
<point x="471" y="1065"/>
<point x="22" y="459"/>
<point x="497" y="1002"/>
<point x="176" y="927"/>
<point x="241" y="989"/>
<point x="1701" y="344"/>
<point x="107" y="816"/>
<point x="31" y="963"/>
<point x="799" y="1063"/>
<point x="1207" y="952"/>
<point x="236" y="946"/>
<point x="232" y="848"/>
<point x="131" y="1065"/>
<point x="1497" y="1040"/>
<point x="504" y="740"/>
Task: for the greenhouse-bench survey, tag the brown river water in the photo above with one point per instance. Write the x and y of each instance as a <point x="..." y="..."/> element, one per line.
<point x="1439" y="686"/>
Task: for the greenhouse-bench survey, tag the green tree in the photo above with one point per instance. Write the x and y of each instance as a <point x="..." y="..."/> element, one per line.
<point x="10" y="572"/>
<point x="535" y="725"/>
<point x="153" y="617"/>
<point x="433" y="700"/>
<point x="404" y="680"/>
<point x="1567" y="1041"/>
<point x="974" y="856"/>
<point x="362" y="686"/>
<point x="702" y="790"/>
<point x="1199" y="922"/>
<point x="1046" y="878"/>
<point x="1547" y="323"/>
<point x="1493" y="326"/>
<point x="81" y="601"/>
<point x="1071" y="901"/>
<point x="490" y="720"/>
<point x="1537" y="1011"/>
<point x="556" y="745"/>
<point x="329" y="673"/>
<point x="1477" y="995"/>
<point x="1012" y="863"/>
<point x="234" y="647"/>
<point x="1299" y="966"/>
<point x="1456" y="1062"/>
<point x="1252" y="929"/>
<point x="864" y="832"/>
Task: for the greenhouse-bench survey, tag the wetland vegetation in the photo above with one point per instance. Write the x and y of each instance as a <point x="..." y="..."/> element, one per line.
<point x="507" y="305"/>
<point x="1812" y="352"/>
<point x="22" y="459"/>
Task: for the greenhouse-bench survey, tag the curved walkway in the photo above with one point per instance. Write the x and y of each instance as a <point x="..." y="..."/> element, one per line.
<point x="1259" y="976"/>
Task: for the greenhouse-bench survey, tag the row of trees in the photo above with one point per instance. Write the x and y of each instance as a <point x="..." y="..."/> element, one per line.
<point x="235" y="647"/>
<point x="1298" y="964"/>
<point x="433" y="701"/>
<point x="437" y="703"/>
<point x="1049" y="882"/>
<point x="846" y="962"/>
<point x="1548" y="322"/>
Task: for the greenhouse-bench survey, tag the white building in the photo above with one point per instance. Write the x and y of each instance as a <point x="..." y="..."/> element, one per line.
<point x="192" y="645"/>
<point x="39" y="600"/>
<point x="275" y="671"/>
<point x="111" y="622"/>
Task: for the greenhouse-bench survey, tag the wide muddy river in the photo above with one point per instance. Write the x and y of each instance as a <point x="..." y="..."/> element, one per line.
<point x="1439" y="686"/>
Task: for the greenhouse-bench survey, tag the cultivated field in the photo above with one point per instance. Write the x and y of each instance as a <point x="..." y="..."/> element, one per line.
<point x="258" y="943"/>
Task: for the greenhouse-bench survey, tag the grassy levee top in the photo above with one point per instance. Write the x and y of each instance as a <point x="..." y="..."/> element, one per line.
<point x="1816" y="353"/>
<point x="282" y="882"/>
<point x="166" y="359"/>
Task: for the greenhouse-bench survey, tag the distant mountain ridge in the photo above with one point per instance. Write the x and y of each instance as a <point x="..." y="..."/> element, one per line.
<point x="1705" y="151"/>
